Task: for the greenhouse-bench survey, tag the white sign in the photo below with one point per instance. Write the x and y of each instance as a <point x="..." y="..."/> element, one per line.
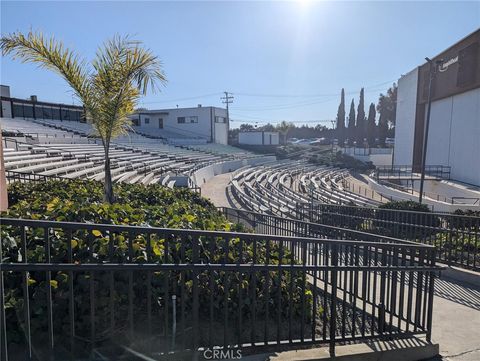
<point x="444" y="67"/>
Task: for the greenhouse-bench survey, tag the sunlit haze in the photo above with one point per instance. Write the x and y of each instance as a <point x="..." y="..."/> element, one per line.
<point x="281" y="60"/>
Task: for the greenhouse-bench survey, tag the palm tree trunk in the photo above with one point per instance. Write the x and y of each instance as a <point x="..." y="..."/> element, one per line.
<point x="109" y="197"/>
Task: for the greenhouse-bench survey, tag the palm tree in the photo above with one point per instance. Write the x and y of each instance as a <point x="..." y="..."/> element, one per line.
<point x="109" y="87"/>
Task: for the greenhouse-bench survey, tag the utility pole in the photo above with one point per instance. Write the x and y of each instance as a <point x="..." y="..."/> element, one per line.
<point x="227" y="99"/>
<point x="432" y="72"/>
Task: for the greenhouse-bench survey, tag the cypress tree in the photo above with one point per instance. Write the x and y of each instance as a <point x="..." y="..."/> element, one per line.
<point x="360" y="126"/>
<point x="340" y="133"/>
<point x="371" y="127"/>
<point x="351" y="124"/>
<point x="382" y="129"/>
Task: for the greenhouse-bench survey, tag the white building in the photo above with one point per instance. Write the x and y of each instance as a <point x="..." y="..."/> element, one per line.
<point x="204" y="124"/>
<point x="258" y="138"/>
<point x="454" y="130"/>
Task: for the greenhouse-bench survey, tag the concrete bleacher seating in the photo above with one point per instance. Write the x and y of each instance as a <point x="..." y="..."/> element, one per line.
<point x="70" y="149"/>
<point x="280" y="189"/>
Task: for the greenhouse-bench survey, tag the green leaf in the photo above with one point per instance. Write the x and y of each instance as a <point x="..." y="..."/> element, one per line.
<point x="96" y="233"/>
<point x="54" y="283"/>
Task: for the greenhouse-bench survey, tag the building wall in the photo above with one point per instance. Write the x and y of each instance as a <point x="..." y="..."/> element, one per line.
<point x="205" y="123"/>
<point x="454" y="135"/>
<point x="458" y="73"/>
<point x="271" y="138"/>
<point x="405" y="118"/>
<point x="250" y="138"/>
<point x="258" y="138"/>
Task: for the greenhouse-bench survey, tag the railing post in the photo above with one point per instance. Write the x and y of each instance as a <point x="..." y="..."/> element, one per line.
<point x="3" y="322"/>
<point x="431" y="292"/>
<point x="195" y="259"/>
<point x="333" y="300"/>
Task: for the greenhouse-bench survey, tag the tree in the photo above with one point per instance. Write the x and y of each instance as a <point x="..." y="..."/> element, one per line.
<point x="340" y="131"/>
<point x="351" y="123"/>
<point x="109" y="87"/>
<point x="246" y="127"/>
<point x="371" y="126"/>
<point x="283" y="128"/>
<point x="360" y="126"/>
<point x="387" y="106"/>
<point x="382" y="130"/>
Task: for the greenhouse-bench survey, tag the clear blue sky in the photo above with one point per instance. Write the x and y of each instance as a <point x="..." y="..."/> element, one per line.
<point x="282" y="60"/>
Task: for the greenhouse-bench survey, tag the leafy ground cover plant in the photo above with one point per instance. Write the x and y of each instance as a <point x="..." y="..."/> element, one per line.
<point x="220" y="293"/>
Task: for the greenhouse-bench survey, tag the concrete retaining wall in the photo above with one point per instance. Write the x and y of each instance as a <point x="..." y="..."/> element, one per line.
<point x="436" y="206"/>
<point x="204" y="174"/>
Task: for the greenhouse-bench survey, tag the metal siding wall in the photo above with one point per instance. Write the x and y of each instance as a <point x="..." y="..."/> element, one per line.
<point x="405" y="123"/>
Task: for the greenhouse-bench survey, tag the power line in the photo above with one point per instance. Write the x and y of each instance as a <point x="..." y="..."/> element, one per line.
<point x="278" y="121"/>
<point x="310" y="95"/>
<point x="182" y="99"/>
<point x="294" y="105"/>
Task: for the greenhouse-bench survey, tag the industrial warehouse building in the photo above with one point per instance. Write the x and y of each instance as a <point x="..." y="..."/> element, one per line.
<point x="209" y="124"/>
<point x="454" y="130"/>
<point x="196" y="125"/>
<point x="34" y="109"/>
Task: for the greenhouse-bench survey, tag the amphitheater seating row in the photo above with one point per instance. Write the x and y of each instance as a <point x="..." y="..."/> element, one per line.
<point x="280" y="189"/>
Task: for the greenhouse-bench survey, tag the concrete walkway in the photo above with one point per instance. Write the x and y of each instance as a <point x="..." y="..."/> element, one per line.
<point x="456" y="310"/>
<point x="456" y="315"/>
<point x="215" y="190"/>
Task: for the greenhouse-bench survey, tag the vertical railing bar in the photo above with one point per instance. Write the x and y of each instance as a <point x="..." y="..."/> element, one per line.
<point x="266" y="291"/>
<point x="71" y="296"/>
<point x="26" y="296"/>
<point x="333" y="305"/>
<point x="3" y="321"/>
<point x="196" y="306"/>
<point x="279" y="299"/>
<point x="148" y="247"/>
<point x="131" y="236"/>
<point x="46" y="240"/>
<point x="92" y="295"/>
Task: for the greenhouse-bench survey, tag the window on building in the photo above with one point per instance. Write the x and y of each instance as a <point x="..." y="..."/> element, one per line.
<point x="47" y="113"/>
<point x="65" y="114"/>
<point x="18" y="110"/>
<point x="220" y="119"/>
<point x="160" y="123"/>
<point x="147" y="120"/>
<point x="27" y="111"/>
<point x="183" y="120"/>
<point x="56" y="113"/>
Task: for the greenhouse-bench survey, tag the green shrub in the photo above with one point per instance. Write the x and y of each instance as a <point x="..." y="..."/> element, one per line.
<point x="464" y="222"/>
<point x="406" y="219"/>
<point x="80" y="201"/>
<point x="340" y="160"/>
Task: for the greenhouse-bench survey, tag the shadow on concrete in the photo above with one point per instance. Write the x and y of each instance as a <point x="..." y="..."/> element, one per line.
<point x="460" y="292"/>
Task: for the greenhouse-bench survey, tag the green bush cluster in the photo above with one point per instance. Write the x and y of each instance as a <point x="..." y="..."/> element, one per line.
<point x="340" y="160"/>
<point x="406" y="225"/>
<point x="80" y="201"/>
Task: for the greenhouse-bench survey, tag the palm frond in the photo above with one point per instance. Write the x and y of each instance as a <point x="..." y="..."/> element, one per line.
<point x="51" y="54"/>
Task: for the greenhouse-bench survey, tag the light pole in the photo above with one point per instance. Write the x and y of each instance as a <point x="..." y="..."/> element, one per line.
<point x="432" y="72"/>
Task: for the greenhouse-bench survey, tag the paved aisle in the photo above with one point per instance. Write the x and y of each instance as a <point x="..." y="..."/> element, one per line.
<point x="215" y="189"/>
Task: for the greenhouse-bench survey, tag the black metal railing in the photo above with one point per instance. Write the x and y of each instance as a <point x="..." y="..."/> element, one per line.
<point x="22" y="177"/>
<point x="407" y="172"/>
<point x="280" y="226"/>
<point x="457" y="237"/>
<point x="73" y="290"/>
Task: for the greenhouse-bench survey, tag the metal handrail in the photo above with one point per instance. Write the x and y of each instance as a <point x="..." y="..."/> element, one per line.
<point x="315" y="269"/>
